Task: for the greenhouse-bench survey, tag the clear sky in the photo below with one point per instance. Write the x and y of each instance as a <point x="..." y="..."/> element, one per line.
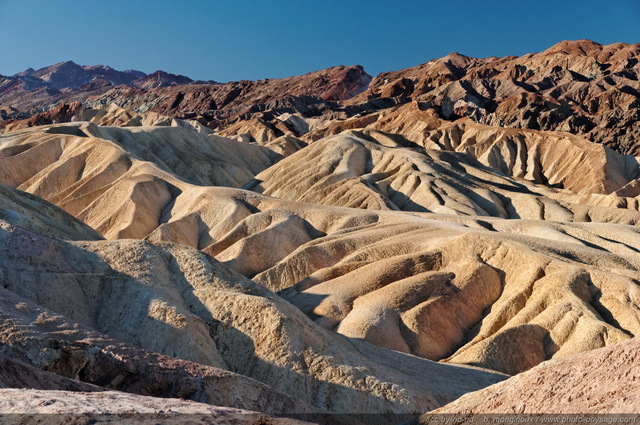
<point x="227" y="40"/>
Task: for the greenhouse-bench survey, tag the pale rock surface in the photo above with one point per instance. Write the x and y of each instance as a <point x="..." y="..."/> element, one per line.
<point x="121" y="180"/>
<point x="179" y="302"/>
<point x="279" y="137"/>
<point x="492" y="172"/>
<point x="115" y="116"/>
<point x="40" y="216"/>
<point x="448" y="287"/>
<point x="254" y="130"/>
<point x="467" y="294"/>
<point x="32" y="335"/>
<point x="63" y="407"/>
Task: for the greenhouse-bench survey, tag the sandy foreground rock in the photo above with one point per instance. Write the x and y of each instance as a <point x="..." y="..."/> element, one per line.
<point x="29" y="394"/>
<point x="35" y="336"/>
<point x="16" y="374"/>
<point x="600" y="381"/>
<point x="65" y="407"/>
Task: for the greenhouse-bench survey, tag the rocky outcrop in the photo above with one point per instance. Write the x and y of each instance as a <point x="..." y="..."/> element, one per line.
<point x="67" y="112"/>
<point x="580" y="87"/>
<point x="63" y="407"/>
<point x="44" y="350"/>
<point x="16" y="374"/>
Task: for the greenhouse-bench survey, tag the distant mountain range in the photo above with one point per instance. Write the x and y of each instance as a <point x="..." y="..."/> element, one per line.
<point x="32" y="90"/>
<point x="65" y="76"/>
<point x="577" y="86"/>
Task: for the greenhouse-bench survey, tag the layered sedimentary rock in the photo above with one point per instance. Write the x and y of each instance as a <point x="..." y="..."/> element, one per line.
<point x="580" y="87"/>
<point x="176" y="301"/>
<point x="389" y="277"/>
<point x="31" y="91"/>
<point x="462" y="168"/>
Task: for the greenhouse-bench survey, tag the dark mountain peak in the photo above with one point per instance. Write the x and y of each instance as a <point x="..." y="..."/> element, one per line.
<point x="161" y="79"/>
<point x="25" y="73"/>
<point x="62" y="66"/>
<point x="164" y="74"/>
<point x="135" y="73"/>
<point x="69" y="75"/>
<point x="62" y="75"/>
<point x="67" y="66"/>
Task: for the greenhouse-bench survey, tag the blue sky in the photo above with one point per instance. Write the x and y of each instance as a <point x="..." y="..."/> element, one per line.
<point x="240" y="39"/>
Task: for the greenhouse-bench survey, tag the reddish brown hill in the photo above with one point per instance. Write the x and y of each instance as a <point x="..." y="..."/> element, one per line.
<point x="66" y="112"/>
<point x="31" y="91"/>
<point x="585" y="59"/>
<point x="333" y="84"/>
<point x="577" y="86"/>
